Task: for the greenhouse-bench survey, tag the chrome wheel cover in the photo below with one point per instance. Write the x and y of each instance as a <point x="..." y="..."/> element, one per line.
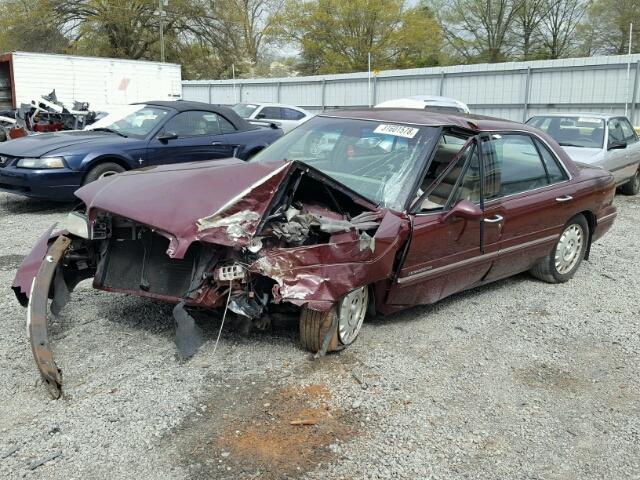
<point x="108" y="173"/>
<point x="569" y="248"/>
<point x="351" y="312"/>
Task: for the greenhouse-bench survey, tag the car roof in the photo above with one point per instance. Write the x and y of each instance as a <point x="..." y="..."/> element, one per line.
<point x="184" y="106"/>
<point x="423" y="101"/>
<point x="271" y="104"/>
<point x="603" y="116"/>
<point x="475" y="123"/>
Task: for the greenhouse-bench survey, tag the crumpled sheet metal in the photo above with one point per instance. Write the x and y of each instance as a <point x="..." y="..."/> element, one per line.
<point x="297" y="225"/>
<point x="29" y="268"/>
<point x="149" y="197"/>
<point x="318" y="275"/>
<point x="235" y="223"/>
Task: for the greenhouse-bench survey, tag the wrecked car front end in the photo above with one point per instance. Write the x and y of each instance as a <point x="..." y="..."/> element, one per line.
<point x="279" y="236"/>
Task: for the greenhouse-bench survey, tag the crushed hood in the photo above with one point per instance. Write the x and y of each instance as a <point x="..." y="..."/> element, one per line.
<point x="193" y="201"/>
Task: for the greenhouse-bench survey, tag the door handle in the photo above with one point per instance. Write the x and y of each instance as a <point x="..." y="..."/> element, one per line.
<point x="494" y="219"/>
<point x="563" y="199"/>
<point x="216" y="144"/>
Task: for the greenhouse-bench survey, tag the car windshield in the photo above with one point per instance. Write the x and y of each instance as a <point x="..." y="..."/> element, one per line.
<point x="572" y="131"/>
<point x="379" y="160"/>
<point x="132" y="121"/>
<point x="244" y="109"/>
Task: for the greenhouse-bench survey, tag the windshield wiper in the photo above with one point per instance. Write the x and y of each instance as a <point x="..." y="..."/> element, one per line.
<point x="566" y="144"/>
<point x="110" y="130"/>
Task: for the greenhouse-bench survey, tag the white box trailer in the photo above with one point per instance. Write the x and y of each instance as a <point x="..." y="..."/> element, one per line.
<point x="102" y="82"/>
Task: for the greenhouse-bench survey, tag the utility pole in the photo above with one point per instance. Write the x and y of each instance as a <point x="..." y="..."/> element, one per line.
<point x="161" y="14"/>
<point x="626" y="99"/>
<point x="369" y="79"/>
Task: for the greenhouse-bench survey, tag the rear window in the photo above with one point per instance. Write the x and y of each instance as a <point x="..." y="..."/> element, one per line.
<point x="244" y="109"/>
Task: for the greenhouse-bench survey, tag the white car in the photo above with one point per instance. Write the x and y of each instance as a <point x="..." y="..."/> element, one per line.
<point x="427" y="102"/>
<point x="604" y="140"/>
<point x="287" y="117"/>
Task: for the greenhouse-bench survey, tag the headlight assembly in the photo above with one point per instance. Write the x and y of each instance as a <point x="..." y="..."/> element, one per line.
<point x="78" y="225"/>
<point x="41" y="163"/>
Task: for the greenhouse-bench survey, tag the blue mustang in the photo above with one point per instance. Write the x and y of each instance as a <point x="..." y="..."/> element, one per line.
<point x="52" y="166"/>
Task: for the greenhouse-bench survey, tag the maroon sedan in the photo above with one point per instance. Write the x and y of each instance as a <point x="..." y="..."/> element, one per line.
<point x="350" y="214"/>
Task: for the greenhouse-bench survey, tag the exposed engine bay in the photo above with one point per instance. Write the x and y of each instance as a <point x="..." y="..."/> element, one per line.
<point x="310" y="245"/>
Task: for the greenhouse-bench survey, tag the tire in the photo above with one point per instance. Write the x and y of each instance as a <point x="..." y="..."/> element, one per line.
<point x="632" y="187"/>
<point x="351" y="311"/>
<point x="102" y="170"/>
<point x="563" y="261"/>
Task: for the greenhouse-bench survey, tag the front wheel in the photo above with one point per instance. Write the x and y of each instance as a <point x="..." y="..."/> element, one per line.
<point x="350" y="312"/>
<point x="102" y="170"/>
<point x="565" y="258"/>
<point x="632" y="187"/>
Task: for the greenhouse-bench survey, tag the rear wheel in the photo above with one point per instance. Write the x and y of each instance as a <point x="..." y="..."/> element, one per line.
<point x="350" y="312"/>
<point x="102" y="170"/>
<point x="565" y="258"/>
<point x="632" y="187"/>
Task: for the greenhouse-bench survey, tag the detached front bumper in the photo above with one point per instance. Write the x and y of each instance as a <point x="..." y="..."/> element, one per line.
<point x="47" y="184"/>
<point x="37" y="314"/>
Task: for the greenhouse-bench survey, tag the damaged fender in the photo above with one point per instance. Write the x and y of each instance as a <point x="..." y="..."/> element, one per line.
<point x="37" y="317"/>
<point x="31" y="263"/>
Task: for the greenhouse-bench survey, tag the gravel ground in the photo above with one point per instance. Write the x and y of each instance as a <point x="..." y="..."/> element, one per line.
<point x="519" y="379"/>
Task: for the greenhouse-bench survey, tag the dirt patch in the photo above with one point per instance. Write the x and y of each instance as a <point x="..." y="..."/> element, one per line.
<point x="279" y="433"/>
<point x="549" y="377"/>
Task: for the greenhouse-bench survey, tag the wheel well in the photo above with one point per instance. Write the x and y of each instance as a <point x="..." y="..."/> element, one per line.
<point x="100" y="160"/>
<point x="591" y="221"/>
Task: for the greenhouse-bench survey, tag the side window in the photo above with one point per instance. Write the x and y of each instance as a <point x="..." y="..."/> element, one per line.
<point x="225" y="125"/>
<point x="627" y="131"/>
<point x="193" y="124"/>
<point x="291" y="114"/>
<point x="512" y="165"/>
<point x="270" y="113"/>
<point x="615" y="131"/>
<point x="554" y="171"/>
<point x="448" y="175"/>
<point x="469" y="188"/>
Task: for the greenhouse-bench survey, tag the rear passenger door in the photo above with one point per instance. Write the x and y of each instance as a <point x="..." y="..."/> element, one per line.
<point x="633" y="147"/>
<point x="526" y="200"/>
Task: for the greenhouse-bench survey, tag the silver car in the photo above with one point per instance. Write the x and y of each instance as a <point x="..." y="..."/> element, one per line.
<point x="605" y="140"/>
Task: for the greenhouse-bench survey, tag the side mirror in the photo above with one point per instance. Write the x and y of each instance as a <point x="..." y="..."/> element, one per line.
<point x="164" y="137"/>
<point x="617" y="144"/>
<point x="463" y="209"/>
<point x="261" y="115"/>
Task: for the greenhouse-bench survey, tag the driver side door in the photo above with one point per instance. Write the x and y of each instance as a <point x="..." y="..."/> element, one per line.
<point x="188" y="137"/>
<point x="445" y="253"/>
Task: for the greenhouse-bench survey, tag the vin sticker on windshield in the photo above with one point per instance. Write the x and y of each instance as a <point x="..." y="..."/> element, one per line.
<point x="396" y="130"/>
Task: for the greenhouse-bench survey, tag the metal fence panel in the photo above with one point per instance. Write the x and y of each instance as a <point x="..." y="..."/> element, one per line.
<point x="514" y="90"/>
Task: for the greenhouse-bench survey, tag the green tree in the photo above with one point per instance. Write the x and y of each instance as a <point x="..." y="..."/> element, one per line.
<point x="236" y="32"/>
<point x="336" y="36"/>
<point x="30" y="25"/>
<point x="481" y="30"/>
<point x="119" y="28"/>
<point x="606" y="28"/>
<point x="558" y="27"/>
